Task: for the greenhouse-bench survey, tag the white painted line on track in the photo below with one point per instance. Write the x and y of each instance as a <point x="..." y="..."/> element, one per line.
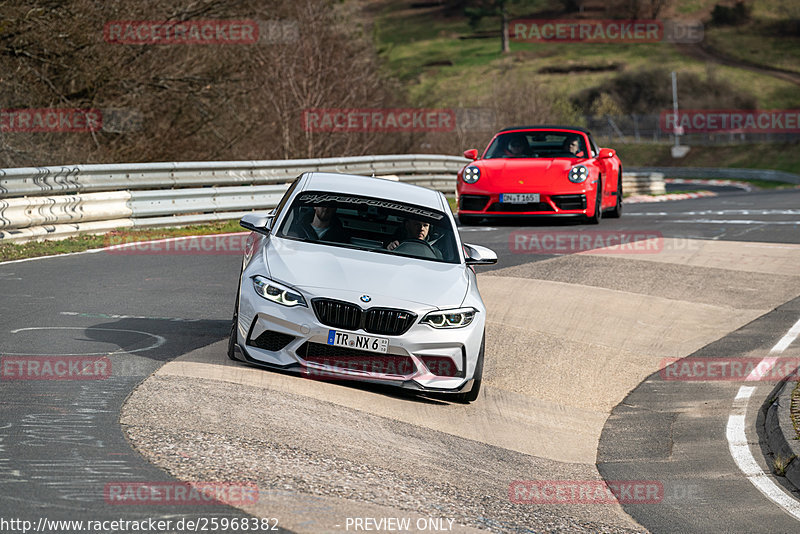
<point x="122" y="316"/>
<point x="737" y="436"/>
<point x="159" y="340"/>
<point x="732" y="221"/>
<point x="761" y="370"/>
<point x="786" y="340"/>
<point x="740" y="450"/>
<point x="721" y="212"/>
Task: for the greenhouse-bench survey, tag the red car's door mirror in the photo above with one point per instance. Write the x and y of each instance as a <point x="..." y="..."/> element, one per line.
<point x="606" y="153"/>
<point x="472" y="154"/>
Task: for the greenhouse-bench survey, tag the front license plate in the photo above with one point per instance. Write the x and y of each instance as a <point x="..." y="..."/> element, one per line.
<point x="519" y="198"/>
<point x="358" y="341"/>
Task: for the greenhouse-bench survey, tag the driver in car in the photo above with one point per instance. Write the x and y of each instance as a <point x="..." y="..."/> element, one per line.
<point x="572" y="145"/>
<point x="516" y="147"/>
<point x="414" y="229"/>
<point x="411" y="229"/>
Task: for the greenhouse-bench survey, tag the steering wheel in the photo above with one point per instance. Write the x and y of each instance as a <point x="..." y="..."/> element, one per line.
<point x="416" y="247"/>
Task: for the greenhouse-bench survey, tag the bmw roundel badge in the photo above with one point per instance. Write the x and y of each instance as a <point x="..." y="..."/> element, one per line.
<point x="365" y="298"/>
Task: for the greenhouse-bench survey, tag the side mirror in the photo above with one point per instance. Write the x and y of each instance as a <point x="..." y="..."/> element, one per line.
<point x="472" y="154"/>
<point x="606" y="153"/>
<point x="478" y="255"/>
<point x="256" y="223"/>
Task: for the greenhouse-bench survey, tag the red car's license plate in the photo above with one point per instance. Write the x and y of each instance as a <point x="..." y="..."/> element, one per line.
<point x="519" y="198"/>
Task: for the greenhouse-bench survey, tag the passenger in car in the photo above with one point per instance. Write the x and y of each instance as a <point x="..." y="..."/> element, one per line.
<point x="324" y="225"/>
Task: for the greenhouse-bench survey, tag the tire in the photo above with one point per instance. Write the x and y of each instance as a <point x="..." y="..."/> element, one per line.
<point x="616" y="213"/>
<point x="598" y="206"/>
<point x="472" y="395"/>
<point x="232" y="338"/>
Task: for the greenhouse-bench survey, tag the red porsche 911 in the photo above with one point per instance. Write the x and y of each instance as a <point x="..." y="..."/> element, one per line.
<point x="538" y="171"/>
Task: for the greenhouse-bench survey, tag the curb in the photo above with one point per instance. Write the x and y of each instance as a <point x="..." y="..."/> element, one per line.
<point x="729" y="183"/>
<point x="640" y="199"/>
<point x="780" y="432"/>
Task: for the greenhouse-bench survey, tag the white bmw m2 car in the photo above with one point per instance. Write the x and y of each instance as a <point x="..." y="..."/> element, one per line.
<point x="358" y="278"/>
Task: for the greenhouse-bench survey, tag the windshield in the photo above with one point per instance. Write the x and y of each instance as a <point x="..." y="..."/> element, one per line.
<point x="539" y="144"/>
<point x="371" y="224"/>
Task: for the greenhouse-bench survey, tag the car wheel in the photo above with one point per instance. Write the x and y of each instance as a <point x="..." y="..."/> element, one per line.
<point x="232" y="339"/>
<point x="472" y="394"/>
<point x="468" y="220"/>
<point x="598" y="205"/>
<point x="616" y="213"/>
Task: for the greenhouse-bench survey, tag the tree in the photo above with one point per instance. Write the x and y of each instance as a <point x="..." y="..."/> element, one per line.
<point x="190" y="102"/>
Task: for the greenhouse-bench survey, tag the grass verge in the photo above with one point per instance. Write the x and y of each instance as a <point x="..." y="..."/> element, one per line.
<point x="776" y="156"/>
<point x="32" y="249"/>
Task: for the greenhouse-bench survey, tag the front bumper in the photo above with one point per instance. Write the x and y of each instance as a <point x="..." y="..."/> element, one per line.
<point x="294" y="339"/>
<point x="571" y="201"/>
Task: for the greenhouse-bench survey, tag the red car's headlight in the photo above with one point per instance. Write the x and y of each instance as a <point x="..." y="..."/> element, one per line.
<point x="578" y="174"/>
<point x="471" y="174"/>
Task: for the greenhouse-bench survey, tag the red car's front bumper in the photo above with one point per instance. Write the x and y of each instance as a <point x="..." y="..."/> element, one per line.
<point x="477" y="203"/>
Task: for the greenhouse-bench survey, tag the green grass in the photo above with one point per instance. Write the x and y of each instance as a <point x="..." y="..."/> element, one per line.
<point x="777" y="156"/>
<point x="32" y="249"/>
<point x="757" y="44"/>
<point x="414" y="46"/>
<point x="769" y="9"/>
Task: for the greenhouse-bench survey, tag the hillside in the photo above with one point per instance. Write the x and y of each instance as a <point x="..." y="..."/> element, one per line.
<point x="443" y="60"/>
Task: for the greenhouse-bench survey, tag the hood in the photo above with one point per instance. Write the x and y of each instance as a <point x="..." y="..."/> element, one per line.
<point x="512" y="170"/>
<point x="342" y="273"/>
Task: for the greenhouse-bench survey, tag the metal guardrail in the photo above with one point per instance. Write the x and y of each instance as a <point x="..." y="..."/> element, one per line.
<point x="37" y="181"/>
<point x="723" y="174"/>
<point x="62" y="201"/>
<point x="643" y="183"/>
<point x="58" y="202"/>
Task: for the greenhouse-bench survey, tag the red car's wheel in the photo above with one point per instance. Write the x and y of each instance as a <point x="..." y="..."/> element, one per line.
<point x="616" y="213"/>
<point x="598" y="205"/>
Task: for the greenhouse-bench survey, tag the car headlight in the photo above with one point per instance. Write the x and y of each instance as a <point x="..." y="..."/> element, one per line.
<point x="471" y="174"/>
<point x="578" y="174"/>
<point x="278" y="293"/>
<point x="457" y="318"/>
